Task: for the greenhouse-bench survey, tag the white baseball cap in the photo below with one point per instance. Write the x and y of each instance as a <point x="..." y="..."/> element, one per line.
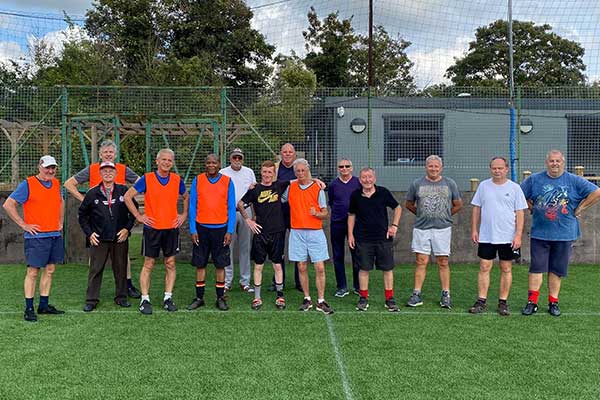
<point x="47" y="161"/>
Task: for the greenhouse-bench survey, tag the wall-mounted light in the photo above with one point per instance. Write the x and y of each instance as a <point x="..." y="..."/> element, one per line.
<point x="358" y="125"/>
<point x="526" y="126"/>
<point x="340" y="111"/>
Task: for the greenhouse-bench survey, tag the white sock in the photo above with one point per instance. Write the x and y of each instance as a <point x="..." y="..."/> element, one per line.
<point x="168" y="295"/>
<point x="307" y="298"/>
<point x="145" y="297"/>
<point x="320" y="300"/>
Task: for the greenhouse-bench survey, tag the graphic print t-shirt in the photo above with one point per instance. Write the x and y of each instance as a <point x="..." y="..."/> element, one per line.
<point x="554" y="203"/>
<point x="267" y="205"/>
<point x="433" y="201"/>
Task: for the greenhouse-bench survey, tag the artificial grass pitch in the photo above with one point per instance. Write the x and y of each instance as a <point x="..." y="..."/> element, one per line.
<point x="423" y="353"/>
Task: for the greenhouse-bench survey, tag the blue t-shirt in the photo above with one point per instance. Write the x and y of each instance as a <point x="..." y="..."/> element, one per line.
<point x="21" y="195"/>
<point x="554" y="203"/>
<point x="140" y="185"/>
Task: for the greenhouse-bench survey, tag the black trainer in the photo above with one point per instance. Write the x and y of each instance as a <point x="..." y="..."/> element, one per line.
<point x="146" y="307"/>
<point x="30" y="315"/>
<point x="222" y="304"/>
<point x="553" y="309"/>
<point x="133" y="292"/>
<point x="478" y="308"/>
<point x="503" y="309"/>
<point x="169" y="305"/>
<point x="530" y="308"/>
<point x="49" y="309"/>
<point x="195" y="304"/>
<point x="363" y="304"/>
<point x="391" y="305"/>
<point x="89" y="307"/>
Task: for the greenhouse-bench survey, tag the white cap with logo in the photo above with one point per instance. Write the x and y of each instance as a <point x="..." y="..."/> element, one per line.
<point x="48" y="161"/>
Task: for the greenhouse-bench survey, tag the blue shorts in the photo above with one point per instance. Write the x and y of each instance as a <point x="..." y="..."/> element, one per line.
<point x="306" y="243"/>
<point x="550" y="256"/>
<point x="44" y="251"/>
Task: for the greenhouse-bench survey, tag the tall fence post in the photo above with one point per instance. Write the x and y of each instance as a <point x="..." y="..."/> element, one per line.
<point x="223" y="132"/>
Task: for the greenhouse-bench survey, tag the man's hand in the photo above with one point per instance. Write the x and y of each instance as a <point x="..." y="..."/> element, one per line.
<point x="227" y="239"/>
<point x="94" y="241"/>
<point x="391" y="232"/>
<point x="475" y="237"/>
<point x="195" y="239"/>
<point x="31" y="228"/>
<point x="180" y="220"/>
<point x="254" y="227"/>
<point x="516" y="243"/>
<point x="351" y="242"/>
<point x="144" y="219"/>
<point x="122" y="235"/>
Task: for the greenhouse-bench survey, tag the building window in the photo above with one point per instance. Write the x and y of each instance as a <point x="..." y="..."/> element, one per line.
<point x="583" y="142"/>
<point x="410" y="138"/>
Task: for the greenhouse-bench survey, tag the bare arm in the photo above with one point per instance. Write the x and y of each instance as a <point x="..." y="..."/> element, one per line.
<point x="475" y="221"/>
<point x="520" y="217"/>
<point x="411" y="206"/>
<point x="351" y="221"/>
<point x="10" y="206"/>
<point x="61" y="215"/>
<point x="142" y="218"/>
<point x="322" y="214"/>
<point x="456" y="206"/>
<point x="71" y="186"/>
<point x="254" y="227"/>
<point x="393" y="229"/>
<point x="589" y="201"/>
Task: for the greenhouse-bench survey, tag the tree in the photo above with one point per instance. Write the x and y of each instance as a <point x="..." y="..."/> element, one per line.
<point x="541" y="58"/>
<point x="329" y="46"/>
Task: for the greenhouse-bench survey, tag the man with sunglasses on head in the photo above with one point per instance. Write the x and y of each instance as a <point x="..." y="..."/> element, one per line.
<point x="42" y="221"/>
<point x="242" y="177"/>
<point x="339" y="192"/>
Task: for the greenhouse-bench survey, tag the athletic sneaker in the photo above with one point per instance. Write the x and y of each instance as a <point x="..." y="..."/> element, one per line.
<point x="446" y="301"/>
<point x="363" y="304"/>
<point x="221" y="304"/>
<point x="480" y="307"/>
<point x="256" y="304"/>
<point x="169" y="305"/>
<point x="341" y="293"/>
<point x="391" y="305"/>
<point x="49" y="309"/>
<point x="415" y="300"/>
<point x="246" y="288"/>
<point x="324" y="308"/>
<point x="306" y="305"/>
<point x="553" y="309"/>
<point x="30" y="315"/>
<point x="503" y="309"/>
<point x="530" y="308"/>
<point x="280" y="303"/>
<point x="356" y="292"/>
<point x="195" y="304"/>
<point x="146" y="307"/>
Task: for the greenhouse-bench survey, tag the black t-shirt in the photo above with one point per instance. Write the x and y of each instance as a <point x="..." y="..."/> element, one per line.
<point x="371" y="222"/>
<point x="268" y="206"/>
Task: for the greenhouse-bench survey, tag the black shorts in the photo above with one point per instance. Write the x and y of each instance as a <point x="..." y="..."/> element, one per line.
<point x="210" y="243"/>
<point x="155" y="240"/>
<point x="379" y="255"/>
<point x="488" y="251"/>
<point x="268" y="244"/>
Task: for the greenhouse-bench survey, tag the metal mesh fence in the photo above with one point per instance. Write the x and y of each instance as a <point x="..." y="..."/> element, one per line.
<point x="465" y="126"/>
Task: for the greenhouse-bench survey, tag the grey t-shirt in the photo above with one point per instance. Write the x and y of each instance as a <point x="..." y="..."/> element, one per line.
<point x="433" y="201"/>
<point x="84" y="175"/>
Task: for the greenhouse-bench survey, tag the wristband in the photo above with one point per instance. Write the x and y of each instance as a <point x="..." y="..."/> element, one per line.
<point x="396" y="225"/>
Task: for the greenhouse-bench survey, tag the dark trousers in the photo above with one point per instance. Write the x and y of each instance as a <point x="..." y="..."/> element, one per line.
<point x="118" y="253"/>
<point x="339" y="232"/>
<point x="296" y="275"/>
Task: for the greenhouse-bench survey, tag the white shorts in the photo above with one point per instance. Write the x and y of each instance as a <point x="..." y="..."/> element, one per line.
<point x="428" y="240"/>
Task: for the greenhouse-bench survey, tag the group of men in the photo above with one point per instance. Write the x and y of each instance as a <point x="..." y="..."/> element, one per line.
<point x="227" y="205"/>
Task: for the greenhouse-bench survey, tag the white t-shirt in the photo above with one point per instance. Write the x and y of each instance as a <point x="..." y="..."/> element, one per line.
<point x="242" y="179"/>
<point x="498" y="205"/>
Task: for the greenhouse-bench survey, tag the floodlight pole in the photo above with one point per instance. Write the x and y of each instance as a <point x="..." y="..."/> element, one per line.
<point x="511" y="89"/>
<point x="370" y="81"/>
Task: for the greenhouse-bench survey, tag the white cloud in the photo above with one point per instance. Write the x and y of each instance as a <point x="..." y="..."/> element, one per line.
<point x="10" y="51"/>
<point x="74" y="7"/>
<point x="431" y="65"/>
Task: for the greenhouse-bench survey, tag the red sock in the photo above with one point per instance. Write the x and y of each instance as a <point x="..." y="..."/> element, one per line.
<point x="552" y="299"/>
<point x="533" y="295"/>
<point x="389" y="293"/>
<point x="364" y="293"/>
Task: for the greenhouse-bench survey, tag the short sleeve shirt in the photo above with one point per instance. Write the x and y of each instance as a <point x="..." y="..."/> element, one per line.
<point x="554" y="203"/>
<point x="371" y="223"/>
<point x="433" y="201"/>
<point x="266" y="201"/>
<point x="498" y="206"/>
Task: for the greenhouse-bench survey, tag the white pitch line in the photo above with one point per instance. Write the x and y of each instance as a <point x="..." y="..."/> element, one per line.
<point x="338" y="359"/>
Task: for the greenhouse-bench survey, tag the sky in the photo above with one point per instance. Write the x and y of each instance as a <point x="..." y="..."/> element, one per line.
<point x="439" y="30"/>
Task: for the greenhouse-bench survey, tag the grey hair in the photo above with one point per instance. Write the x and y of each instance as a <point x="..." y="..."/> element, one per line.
<point x="345" y="159"/>
<point x="300" y="161"/>
<point x="555" y="151"/>
<point x="434" y="157"/>
<point x="367" y="169"/>
<point x="166" y="150"/>
<point x="108" y="143"/>
<point x="212" y="155"/>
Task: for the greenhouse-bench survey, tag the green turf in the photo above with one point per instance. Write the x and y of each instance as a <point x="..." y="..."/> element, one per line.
<point x="424" y="353"/>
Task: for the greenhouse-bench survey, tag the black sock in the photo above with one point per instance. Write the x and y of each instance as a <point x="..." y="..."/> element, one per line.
<point x="129" y="283"/>
<point x="200" y="285"/>
<point x="220" y="287"/>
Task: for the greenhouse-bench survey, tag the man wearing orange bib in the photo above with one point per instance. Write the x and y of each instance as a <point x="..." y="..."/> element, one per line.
<point x="308" y="209"/>
<point x="91" y="174"/>
<point x="43" y="214"/>
<point x="212" y="222"/>
<point x="162" y="190"/>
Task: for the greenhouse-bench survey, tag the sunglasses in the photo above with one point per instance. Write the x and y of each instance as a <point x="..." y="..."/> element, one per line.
<point x="236" y="157"/>
<point x="344" y="166"/>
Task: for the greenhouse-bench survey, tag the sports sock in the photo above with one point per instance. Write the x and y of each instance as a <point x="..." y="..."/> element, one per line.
<point x="320" y="301"/>
<point x="200" y="286"/>
<point x="129" y="283"/>
<point x="483" y="300"/>
<point x="307" y="298"/>
<point x="145" y="297"/>
<point x="168" y="295"/>
<point x="502" y="301"/>
<point x="389" y="293"/>
<point x="552" y="299"/>
<point x="279" y="289"/>
<point x="417" y="292"/>
<point x="256" y="291"/>
<point x="533" y="295"/>
<point x="220" y="288"/>
<point x="29" y="303"/>
<point x="43" y="301"/>
<point x="364" y="293"/>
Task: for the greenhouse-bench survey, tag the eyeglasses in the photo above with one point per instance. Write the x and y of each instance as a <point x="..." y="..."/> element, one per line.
<point x="344" y="166"/>
<point x="236" y="157"/>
